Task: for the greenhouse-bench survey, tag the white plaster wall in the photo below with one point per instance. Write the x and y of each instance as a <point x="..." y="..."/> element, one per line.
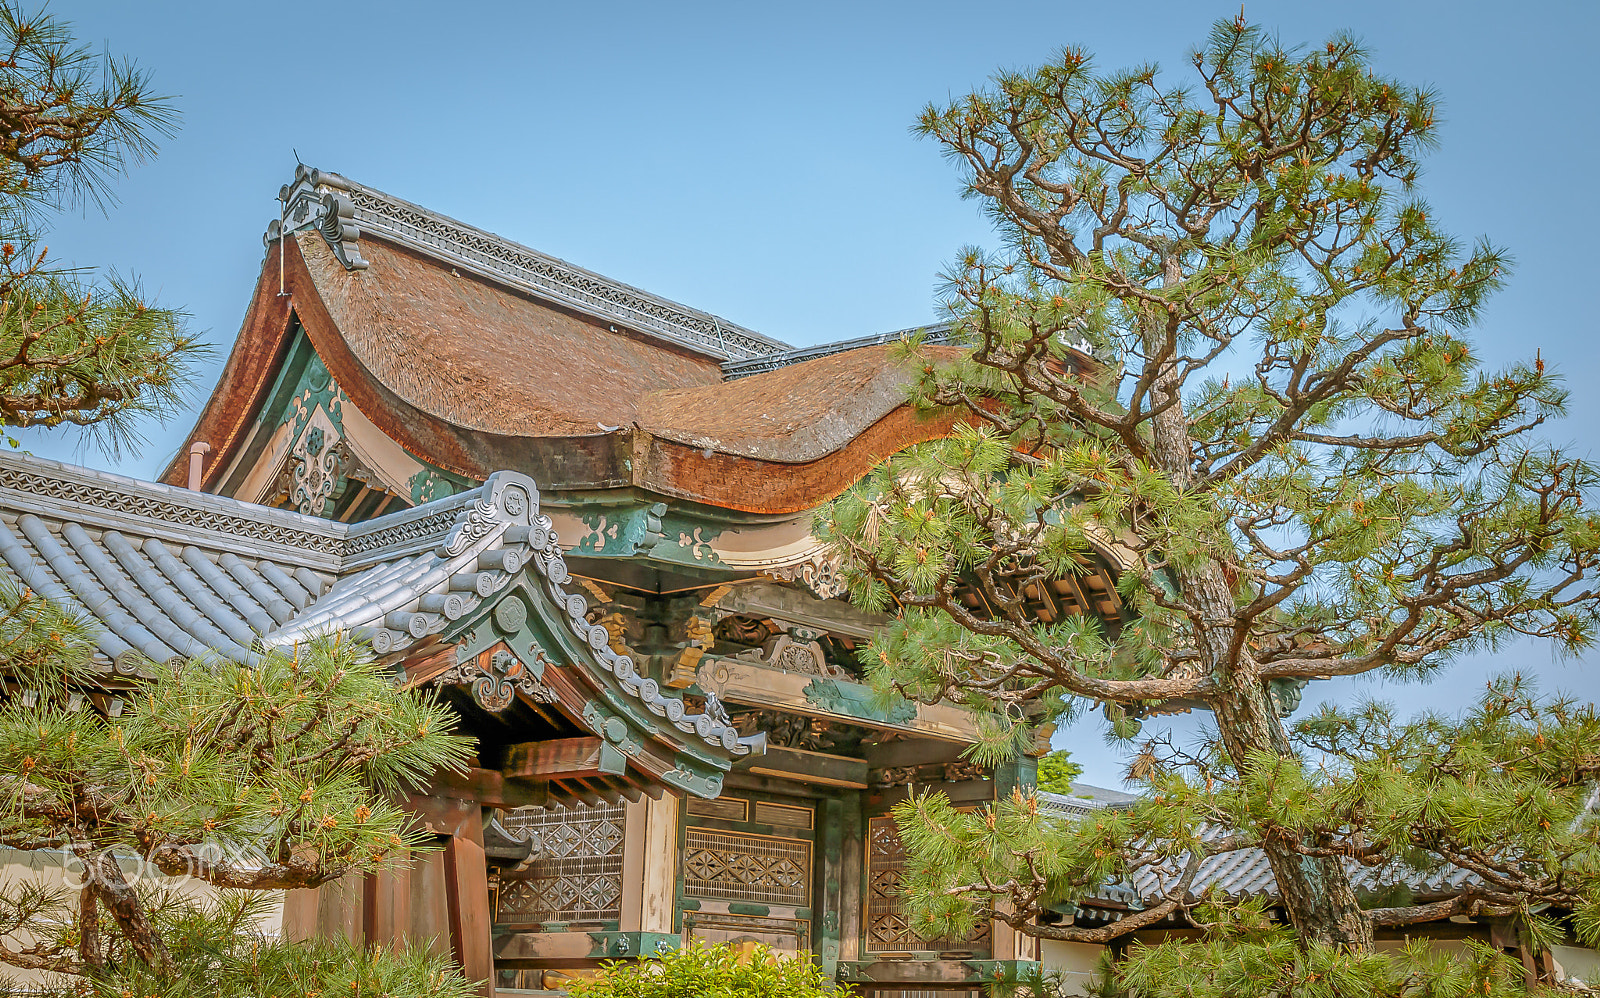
<point x="1076" y="962"/>
<point x="1577" y="962"/>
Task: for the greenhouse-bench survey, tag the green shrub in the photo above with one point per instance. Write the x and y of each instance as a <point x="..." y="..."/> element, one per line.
<point x="701" y="971"/>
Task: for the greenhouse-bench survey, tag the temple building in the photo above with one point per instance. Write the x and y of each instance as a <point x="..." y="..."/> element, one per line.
<point x="583" y="513"/>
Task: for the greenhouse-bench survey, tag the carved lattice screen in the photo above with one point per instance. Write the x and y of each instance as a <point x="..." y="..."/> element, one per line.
<point x="888" y="924"/>
<point x="578" y="875"/>
<point x="735" y="866"/>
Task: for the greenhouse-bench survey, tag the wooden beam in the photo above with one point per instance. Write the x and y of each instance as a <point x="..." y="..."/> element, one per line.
<point x="488" y="787"/>
<point x="564" y="759"/>
<point x="960" y="792"/>
<point x="912" y="752"/>
<point x="769" y="599"/>
<point x="812" y="767"/>
<point x="773" y="689"/>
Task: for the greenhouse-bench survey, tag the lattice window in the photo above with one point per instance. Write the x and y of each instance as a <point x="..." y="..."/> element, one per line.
<point x="888" y="923"/>
<point x="578" y="875"/>
<point x="735" y="866"/>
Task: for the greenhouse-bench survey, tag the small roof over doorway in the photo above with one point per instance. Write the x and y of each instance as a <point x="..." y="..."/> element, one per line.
<point x="468" y="593"/>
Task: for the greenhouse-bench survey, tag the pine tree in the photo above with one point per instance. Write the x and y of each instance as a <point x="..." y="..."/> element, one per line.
<point x="242" y="778"/>
<point x="1225" y="351"/>
<point x="76" y="348"/>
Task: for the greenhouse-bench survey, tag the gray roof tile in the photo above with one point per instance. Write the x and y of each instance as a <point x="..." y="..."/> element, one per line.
<point x="169" y="572"/>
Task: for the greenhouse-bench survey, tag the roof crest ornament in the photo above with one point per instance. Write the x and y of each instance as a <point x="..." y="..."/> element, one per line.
<point x="343" y="211"/>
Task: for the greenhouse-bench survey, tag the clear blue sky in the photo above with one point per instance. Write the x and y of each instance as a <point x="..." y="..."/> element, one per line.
<point x="753" y="159"/>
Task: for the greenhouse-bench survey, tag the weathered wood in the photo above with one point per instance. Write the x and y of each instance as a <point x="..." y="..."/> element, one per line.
<point x="486" y="787"/>
<point x="812" y="767"/>
<point x="913" y="752"/>
<point x="830" y="902"/>
<point x="959" y="792"/>
<point x="852" y="858"/>
<point x="768" y="599"/>
<point x="327" y="912"/>
<point x="466" y="878"/>
<point x="564" y="759"/>
<point x="650" y="856"/>
<point x="773" y="689"/>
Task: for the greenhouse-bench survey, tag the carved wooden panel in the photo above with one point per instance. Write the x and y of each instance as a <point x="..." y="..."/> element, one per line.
<point x="578" y="875"/>
<point x="725" y="808"/>
<point x="783" y="815"/>
<point x="736" y="866"/>
<point x="888" y="922"/>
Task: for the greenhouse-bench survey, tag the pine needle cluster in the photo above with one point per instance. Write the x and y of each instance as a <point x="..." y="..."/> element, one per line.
<point x="76" y="348"/>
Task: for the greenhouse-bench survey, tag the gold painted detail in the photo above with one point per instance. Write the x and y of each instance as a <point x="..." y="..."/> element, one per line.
<point x="578" y="875"/>
<point x="697" y="641"/>
<point x="616" y="626"/>
<point x="734" y="866"/>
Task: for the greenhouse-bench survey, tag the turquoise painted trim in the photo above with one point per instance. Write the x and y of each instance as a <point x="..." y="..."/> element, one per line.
<point x="618" y="719"/>
<point x="855" y="700"/>
<point x="631" y="945"/>
<point x="977" y="971"/>
<point x="619" y="532"/>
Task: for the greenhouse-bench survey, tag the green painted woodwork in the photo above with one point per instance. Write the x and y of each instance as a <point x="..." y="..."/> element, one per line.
<point x="745" y="908"/>
<point x="619" y="532"/>
<point x="430" y="484"/>
<point x="855" y="700"/>
<point x="528" y="626"/>
<point x="625" y="945"/>
<point x="1020" y="774"/>
<point x="830" y="900"/>
<point x="686" y="540"/>
<point x="950" y="972"/>
<point x="304" y="384"/>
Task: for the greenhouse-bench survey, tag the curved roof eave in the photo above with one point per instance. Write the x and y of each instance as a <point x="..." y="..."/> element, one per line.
<point x="662" y="451"/>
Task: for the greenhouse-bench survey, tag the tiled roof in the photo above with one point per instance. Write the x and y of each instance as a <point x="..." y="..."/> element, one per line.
<point x="933" y="333"/>
<point x="169" y="572"/>
<point x="1247" y="873"/>
<point x="1242" y="873"/>
<point x="1084" y="799"/>
<point x="345" y="211"/>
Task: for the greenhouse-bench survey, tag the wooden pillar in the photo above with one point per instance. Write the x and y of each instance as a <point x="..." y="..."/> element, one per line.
<point x="466" y="884"/>
<point x="650" y="855"/>
<point x="833" y="874"/>
<point x="1009" y="944"/>
<point x="328" y="912"/>
<point x="852" y="866"/>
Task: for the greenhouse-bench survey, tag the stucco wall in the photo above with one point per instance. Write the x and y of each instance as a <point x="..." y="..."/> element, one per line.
<point x="1583" y="964"/>
<point x="1076" y="962"/>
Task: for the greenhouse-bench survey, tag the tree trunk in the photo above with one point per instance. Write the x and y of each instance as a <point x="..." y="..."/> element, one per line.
<point x="1316" y="893"/>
